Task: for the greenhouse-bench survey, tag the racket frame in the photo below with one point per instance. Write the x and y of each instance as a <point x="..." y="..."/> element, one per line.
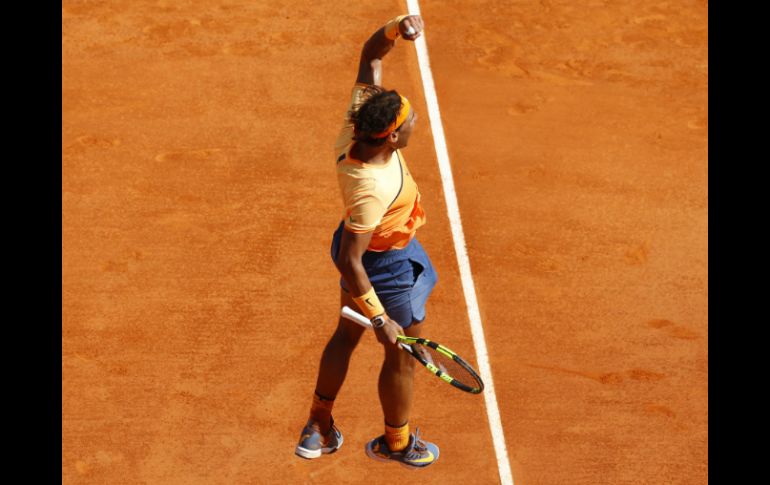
<point x="406" y="343"/>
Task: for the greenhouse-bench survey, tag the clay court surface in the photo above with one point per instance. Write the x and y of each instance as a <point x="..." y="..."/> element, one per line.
<point x="199" y="198"/>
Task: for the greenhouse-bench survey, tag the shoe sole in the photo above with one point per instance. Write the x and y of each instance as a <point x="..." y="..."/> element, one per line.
<point x="374" y="456"/>
<point x="310" y="454"/>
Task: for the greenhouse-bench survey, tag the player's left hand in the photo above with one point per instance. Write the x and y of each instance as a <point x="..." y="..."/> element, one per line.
<point x="411" y="27"/>
<point x="388" y="333"/>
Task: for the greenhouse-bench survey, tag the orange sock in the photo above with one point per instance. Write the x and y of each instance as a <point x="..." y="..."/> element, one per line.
<point x="397" y="438"/>
<point x="321" y="412"/>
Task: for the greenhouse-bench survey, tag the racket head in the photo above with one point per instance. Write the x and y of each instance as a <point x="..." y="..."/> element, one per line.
<point x="443" y="363"/>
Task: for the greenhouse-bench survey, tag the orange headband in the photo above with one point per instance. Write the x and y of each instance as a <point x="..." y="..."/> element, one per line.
<point x="402" y="114"/>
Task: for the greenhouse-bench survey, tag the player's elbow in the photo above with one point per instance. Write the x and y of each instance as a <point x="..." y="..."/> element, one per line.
<point x="376" y="64"/>
<point x="348" y="264"/>
<point x="344" y="263"/>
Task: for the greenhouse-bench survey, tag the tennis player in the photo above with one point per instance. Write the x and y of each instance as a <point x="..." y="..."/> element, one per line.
<point x="385" y="271"/>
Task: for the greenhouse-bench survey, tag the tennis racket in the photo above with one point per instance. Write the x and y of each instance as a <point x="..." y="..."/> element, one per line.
<point x="439" y="360"/>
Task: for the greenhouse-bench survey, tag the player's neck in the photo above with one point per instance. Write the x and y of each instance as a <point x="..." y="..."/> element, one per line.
<point x="371" y="154"/>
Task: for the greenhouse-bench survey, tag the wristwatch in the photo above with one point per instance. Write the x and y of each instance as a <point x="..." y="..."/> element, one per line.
<point x="378" y="321"/>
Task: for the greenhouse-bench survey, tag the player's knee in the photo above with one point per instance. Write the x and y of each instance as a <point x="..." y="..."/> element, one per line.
<point x="408" y="362"/>
<point x="399" y="360"/>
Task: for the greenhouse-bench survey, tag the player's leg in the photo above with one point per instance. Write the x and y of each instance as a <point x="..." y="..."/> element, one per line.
<point x="397" y="376"/>
<point x="399" y="443"/>
<point x="397" y="373"/>
<point x="320" y="435"/>
<point x="334" y="362"/>
<point x="395" y="382"/>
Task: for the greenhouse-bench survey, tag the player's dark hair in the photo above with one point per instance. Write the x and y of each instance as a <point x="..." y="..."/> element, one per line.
<point x="375" y="115"/>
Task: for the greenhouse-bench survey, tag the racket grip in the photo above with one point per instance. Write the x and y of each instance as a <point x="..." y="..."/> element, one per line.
<point x="354" y="316"/>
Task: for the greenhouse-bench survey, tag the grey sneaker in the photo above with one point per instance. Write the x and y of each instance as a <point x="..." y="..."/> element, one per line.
<point x="312" y="444"/>
<point x="417" y="454"/>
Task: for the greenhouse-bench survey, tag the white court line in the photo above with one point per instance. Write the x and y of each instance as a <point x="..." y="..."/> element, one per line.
<point x="493" y="413"/>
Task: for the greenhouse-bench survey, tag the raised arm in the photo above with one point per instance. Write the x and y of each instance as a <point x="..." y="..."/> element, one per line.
<point x="381" y="42"/>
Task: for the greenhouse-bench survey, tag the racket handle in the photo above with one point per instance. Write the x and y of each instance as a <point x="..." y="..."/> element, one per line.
<point x="354" y="316"/>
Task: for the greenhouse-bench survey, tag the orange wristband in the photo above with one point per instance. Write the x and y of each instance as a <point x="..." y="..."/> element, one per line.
<point x="391" y="28"/>
<point x="369" y="304"/>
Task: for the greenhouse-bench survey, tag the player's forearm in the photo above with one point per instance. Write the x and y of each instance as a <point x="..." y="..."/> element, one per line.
<point x="377" y="46"/>
<point x="361" y="289"/>
<point x="355" y="276"/>
<point x="381" y="42"/>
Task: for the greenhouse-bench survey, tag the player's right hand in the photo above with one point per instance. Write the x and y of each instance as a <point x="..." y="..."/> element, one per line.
<point x="411" y="27"/>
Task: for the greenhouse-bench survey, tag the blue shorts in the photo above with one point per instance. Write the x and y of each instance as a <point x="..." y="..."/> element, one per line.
<point x="402" y="278"/>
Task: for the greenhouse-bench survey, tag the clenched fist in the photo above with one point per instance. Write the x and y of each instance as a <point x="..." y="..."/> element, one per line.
<point x="411" y="27"/>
